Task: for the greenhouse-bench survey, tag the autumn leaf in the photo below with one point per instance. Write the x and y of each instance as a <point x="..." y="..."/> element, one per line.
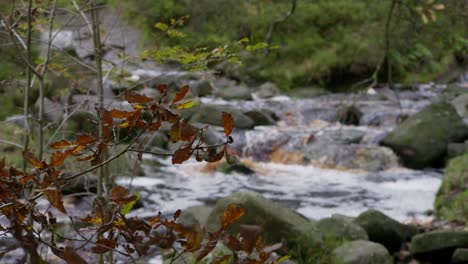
<point x="231" y="214"/>
<point x="121" y="114"/>
<point x="181" y="94"/>
<point x="62" y="144"/>
<point x="33" y="160"/>
<point x="104" y="245"/>
<point x="85" y="139"/>
<point x="228" y="123"/>
<point x="71" y="257"/>
<point x="181" y="155"/>
<point x="55" y="197"/>
<point x="175" y="132"/>
<point x="187" y="131"/>
<point x="135" y="98"/>
<point x="58" y="158"/>
<point x="121" y="195"/>
<point x="214" y="156"/>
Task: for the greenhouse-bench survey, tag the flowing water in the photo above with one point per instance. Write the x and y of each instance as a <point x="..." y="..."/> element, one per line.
<point x="306" y="161"/>
<point x="332" y="181"/>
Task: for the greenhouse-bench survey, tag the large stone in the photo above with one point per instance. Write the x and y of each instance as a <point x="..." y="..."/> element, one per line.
<point x="361" y="252"/>
<point x="348" y="115"/>
<point x="279" y="223"/>
<point x="235" y="93"/>
<point x="451" y="199"/>
<point x="460" y="256"/>
<point x="384" y="230"/>
<point x="461" y="105"/>
<point x="438" y="246"/>
<point x="262" y="117"/>
<point x="340" y="227"/>
<point x="267" y="90"/>
<point x="211" y="114"/>
<point x="421" y="140"/>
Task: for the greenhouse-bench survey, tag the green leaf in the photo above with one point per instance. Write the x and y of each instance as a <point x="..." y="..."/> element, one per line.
<point x="161" y="26"/>
<point x="186" y="105"/>
<point x="283" y="258"/>
<point x="127" y="207"/>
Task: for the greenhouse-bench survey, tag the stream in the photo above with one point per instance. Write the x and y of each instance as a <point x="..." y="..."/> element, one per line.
<point x="332" y="181"/>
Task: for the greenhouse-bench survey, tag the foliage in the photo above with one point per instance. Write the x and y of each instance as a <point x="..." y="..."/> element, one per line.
<point x="108" y="228"/>
<point x="324" y="42"/>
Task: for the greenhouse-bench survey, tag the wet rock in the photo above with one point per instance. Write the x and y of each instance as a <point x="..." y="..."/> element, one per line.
<point x="342" y="228"/>
<point x="235" y="166"/>
<point x="456" y="149"/>
<point x="194" y="215"/>
<point x="348" y="115"/>
<point x="384" y="230"/>
<point x="361" y="252"/>
<point x="438" y="246"/>
<point x="307" y="92"/>
<point x="450" y="202"/>
<point x="373" y="159"/>
<point x="203" y="88"/>
<point x="262" y="117"/>
<point x="235" y="93"/>
<point x="421" y="140"/>
<point x="211" y="114"/>
<point x="461" y="105"/>
<point x="460" y="256"/>
<point x="267" y="90"/>
<point x="279" y="223"/>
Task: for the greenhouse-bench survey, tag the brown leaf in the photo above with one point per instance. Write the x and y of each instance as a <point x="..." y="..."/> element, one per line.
<point x="163" y="89"/>
<point x="71" y="257"/>
<point x="135" y="98"/>
<point x="213" y="156"/>
<point x="177" y="214"/>
<point x="107" y="123"/>
<point x="121" y="195"/>
<point x="55" y="198"/>
<point x="175" y="133"/>
<point x="181" y="94"/>
<point x="58" y="158"/>
<point x="85" y="139"/>
<point x="231" y="214"/>
<point x="228" y="123"/>
<point x="232" y="242"/>
<point x="33" y="160"/>
<point x="181" y="155"/>
<point x="62" y="144"/>
<point x="121" y="114"/>
<point x="104" y="245"/>
<point x="187" y="131"/>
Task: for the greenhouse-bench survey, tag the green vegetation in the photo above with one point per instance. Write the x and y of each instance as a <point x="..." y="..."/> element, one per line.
<point x="451" y="198"/>
<point x="329" y="43"/>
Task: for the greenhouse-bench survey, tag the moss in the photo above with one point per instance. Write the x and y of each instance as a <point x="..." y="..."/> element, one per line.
<point x="450" y="202"/>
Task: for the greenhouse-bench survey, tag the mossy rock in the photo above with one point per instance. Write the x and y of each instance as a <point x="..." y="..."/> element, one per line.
<point x="348" y="115"/>
<point x="279" y="224"/>
<point x="384" y="230"/>
<point x="211" y="114"/>
<point x="460" y="256"/>
<point x="451" y="199"/>
<point x="421" y="140"/>
<point x="438" y="246"/>
<point x="361" y="252"/>
<point x="236" y="166"/>
<point x="341" y="228"/>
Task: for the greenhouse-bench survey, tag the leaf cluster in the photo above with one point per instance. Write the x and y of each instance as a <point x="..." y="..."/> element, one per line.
<point x="108" y="228"/>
